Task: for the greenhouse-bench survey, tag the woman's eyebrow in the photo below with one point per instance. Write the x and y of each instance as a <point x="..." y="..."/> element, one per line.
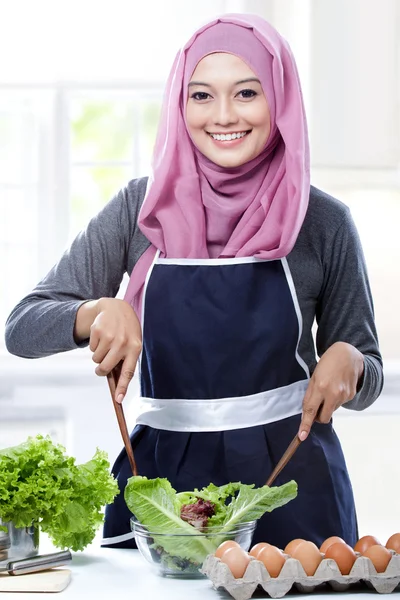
<point x="248" y="80"/>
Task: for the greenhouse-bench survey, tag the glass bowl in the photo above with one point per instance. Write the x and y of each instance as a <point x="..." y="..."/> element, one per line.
<point x="182" y="555"/>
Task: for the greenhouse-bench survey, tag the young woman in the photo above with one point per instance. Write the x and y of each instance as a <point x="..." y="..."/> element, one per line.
<point x="232" y="256"/>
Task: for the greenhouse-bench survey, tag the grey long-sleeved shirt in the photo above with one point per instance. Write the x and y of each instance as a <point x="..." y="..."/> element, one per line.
<point x="326" y="263"/>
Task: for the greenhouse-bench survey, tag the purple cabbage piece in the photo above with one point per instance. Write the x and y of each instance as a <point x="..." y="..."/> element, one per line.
<point x="197" y="514"/>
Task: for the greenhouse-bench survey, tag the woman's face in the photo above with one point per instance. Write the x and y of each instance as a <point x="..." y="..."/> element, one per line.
<point x="227" y="114"/>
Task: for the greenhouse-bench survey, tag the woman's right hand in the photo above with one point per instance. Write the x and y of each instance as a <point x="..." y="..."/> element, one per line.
<point x="115" y="336"/>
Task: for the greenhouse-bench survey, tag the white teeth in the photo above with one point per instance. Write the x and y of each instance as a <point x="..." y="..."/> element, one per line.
<point x="227" y="137"/>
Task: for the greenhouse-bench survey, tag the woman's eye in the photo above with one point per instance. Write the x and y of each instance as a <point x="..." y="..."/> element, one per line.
<point x="247" y="93"/>
<point x="200" y="96"/>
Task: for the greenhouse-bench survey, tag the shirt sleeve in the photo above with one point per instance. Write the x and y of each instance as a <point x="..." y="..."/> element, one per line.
<point x="93" y="266"/>
<point x="345" y="309"/>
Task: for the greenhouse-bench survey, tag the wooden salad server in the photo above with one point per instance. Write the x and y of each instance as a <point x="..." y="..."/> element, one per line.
<point x="291" y="449"/>
<point x="112" y="379"/>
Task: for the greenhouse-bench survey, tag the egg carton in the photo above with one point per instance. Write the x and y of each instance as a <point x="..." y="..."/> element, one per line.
<point x="293" y="574"/>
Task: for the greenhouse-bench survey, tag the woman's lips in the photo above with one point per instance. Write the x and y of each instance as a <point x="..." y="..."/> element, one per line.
<point x="229" y="143"/>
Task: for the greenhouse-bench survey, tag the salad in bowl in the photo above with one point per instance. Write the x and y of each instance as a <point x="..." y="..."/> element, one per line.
<point x="176" y="531"/>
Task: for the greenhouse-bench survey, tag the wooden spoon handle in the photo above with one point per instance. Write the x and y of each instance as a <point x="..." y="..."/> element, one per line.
<point x="291" y="449"/>
<point x="112" y="379"/>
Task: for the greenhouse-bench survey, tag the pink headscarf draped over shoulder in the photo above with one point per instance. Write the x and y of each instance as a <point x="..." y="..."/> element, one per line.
<point x="196" y="209"/>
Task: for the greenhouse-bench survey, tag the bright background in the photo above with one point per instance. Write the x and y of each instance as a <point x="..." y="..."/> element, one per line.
<point x="80" y="89"/>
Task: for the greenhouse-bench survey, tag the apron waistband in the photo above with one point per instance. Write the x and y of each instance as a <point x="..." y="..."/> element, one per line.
<point x="222" y="414"/>
<point x="117" y="539"/>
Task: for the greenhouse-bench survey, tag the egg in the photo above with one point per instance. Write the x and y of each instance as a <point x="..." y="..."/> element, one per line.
<point x="365" y="542"/>
<point x="237" y="560"/>
<point x="257" y="548"/>
<point x="293" y="545"/>
<point x="393" y="543"/>
<point x="343" y="555"/>
<point x="308" y="554"/>
<point x="272" y="558"/>
<point x="224" y="546"/>
<point x="329" y="541"/>
<point x="379" y="556"/>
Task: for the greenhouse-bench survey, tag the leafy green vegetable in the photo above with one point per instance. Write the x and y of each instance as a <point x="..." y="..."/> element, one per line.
<point x="40" y="483"/>
<point x="251" y="503"/>
<point x="157" y="506"/>
<point x="211" y="492"/>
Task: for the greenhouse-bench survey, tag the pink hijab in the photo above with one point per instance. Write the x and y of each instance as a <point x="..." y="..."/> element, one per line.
<point x="194" y="208"/>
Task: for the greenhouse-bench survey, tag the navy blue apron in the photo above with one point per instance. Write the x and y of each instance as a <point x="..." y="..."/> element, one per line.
<point x="222" y="385"/>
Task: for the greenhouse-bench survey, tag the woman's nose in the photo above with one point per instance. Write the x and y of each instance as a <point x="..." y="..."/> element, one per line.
<point x="225" y="113"/>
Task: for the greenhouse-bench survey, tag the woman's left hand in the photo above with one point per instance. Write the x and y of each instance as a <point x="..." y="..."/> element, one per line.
<point x="333" y="383"/>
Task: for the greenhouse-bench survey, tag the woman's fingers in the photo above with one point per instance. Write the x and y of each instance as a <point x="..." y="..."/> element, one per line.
<point x="94" y="339"/>
<point x="127" y="372"/>
<point x="117" y="354"/>
<point x="333" y="383"/>
<point x="319" y="404"/>
<point x="311" y="405"/>
<point x="102" y="349"/>
<point x="116" y="340"/>
<point x="126" y="359"/>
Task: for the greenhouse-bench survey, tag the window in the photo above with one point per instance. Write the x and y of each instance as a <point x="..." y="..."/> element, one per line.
<point x="64" y="152"/>
<point x="111" y="141"/>
<point x="23" y="123"/>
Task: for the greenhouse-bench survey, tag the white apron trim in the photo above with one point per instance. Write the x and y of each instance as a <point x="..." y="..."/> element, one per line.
<point x="146" y="282"/>
<point x="117" y="539"/>
<point x="222" y="414"/>
<point x="296" y="305"/>
<point x="212" y="262"/>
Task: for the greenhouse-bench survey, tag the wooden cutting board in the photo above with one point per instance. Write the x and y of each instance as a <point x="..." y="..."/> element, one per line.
<point x="53" y="580"/>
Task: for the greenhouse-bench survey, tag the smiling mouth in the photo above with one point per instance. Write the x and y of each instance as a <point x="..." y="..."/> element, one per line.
<point x="228" y="137"/>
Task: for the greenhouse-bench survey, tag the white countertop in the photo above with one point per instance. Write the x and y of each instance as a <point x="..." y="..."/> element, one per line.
<point x="105" y="573"/>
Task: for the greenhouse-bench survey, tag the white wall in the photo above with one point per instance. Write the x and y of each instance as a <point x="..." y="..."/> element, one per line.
<point x="370" y="442"/>
<point x="355" y="67"/>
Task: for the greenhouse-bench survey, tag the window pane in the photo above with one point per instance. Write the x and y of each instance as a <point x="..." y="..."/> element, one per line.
<point x="19" y="218"/>
<point x="111" y="143"/>
<point x="18" y="246"/>
<point x="101" y="130"/>
<point x="149" y="116"/>
<point x="18" y="143"/>
<point x="19" y="267"/>
<point x="91" y="189"/>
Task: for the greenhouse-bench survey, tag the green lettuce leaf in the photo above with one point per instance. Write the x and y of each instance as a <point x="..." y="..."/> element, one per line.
<point x="214" y="494"/>
<point x="251" y="503"/>
<point x="40" y="483"/>
<point x="34" y="481"/>
<point x="156" y="506"/>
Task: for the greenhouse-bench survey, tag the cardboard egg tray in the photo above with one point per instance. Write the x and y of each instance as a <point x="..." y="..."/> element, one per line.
<point x="293" y="574"/>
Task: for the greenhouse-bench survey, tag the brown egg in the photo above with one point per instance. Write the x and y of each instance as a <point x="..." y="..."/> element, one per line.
<point x="291" y="547"/>
<point x="379" y="556"/>
<point x="257" y="548"/>
<point x="309" y="556"/>
<point x="343" y="555"/>
<point x="329" y="541"/>
<point x="365" y="542"/>
<point x="237" y="560"/>
<point x="224" y="546"/>
<point x="273" y="559"/>
<point x="393" y="543"/>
